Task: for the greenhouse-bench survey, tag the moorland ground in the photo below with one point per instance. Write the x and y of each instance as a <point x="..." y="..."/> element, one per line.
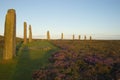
<point x="41" y="54"/>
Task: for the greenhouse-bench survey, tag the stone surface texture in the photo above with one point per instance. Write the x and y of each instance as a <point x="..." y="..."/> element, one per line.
<point x="25" y="32"/>
<point x="30" y="33"/>
<point x="10" y="35"/>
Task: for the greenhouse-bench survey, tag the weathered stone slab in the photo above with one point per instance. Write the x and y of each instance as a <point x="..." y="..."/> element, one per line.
<point x="79" y="37"/>
<point x="10" y="35"/>
<point x="48" y="35"/>
<point x="73" y="36"/>
<point x="90" y="37"/>
<point x="25" y="32"/>
<point x="62" y="36"/>
<point x="30" y="33"/>
<point x="85" y="37"/>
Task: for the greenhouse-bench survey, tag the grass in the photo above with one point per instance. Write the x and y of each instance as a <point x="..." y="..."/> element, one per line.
<point x="30" y="57"/>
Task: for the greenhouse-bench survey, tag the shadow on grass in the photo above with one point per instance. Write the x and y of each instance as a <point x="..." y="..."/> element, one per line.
<point x="29" y="61"/>
<point x="22" y="67"/>
<point x="18" y="46"/>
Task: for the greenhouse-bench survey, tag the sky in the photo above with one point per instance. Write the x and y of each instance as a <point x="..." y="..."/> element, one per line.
<point x="99" y="18"/>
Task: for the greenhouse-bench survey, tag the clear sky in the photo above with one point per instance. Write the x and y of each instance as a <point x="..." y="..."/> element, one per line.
<point x="98" y="18"/>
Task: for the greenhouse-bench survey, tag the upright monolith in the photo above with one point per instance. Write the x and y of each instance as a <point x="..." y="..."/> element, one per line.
<point x="25" y="32"/>
<point x="30" y="34"/>
<point x="85" y="37"/>
<point x="79" y="37"/>
<point x="73" y="36"/>
<point x="90" y="37"/>
<point x="48" y="35"/>
<point x="61" y="36"/>
<point x="10" y="35"/>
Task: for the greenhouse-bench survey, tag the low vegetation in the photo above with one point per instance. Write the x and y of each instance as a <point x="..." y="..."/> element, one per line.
<point x="82" y="60"/>
<point x="62" y="60"/>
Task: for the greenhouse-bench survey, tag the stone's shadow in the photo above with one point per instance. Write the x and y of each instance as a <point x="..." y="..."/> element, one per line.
<point x="22" y="67"/>
<point x="30" y="61"/>
<point x="18" y="46"/>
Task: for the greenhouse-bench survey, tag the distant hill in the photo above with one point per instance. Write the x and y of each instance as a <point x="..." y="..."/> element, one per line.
<point x="3" y="37"/>
<point x="17" y="38"/>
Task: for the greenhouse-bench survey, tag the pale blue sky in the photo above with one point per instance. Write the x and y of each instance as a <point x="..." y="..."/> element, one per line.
<point x="90" y="17"/>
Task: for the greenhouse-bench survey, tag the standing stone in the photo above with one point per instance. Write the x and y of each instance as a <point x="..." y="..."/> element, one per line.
<point x="85" y="37"/>
<point x="73" y="36"/>
<point x="48" y="35"/>
<point x="30" y="34"/>
<point x="25" y="32"/>
<point x="90" y="37"/>
<point x="61" y="36"/>
<point x="79" y="37"/>
<point x="10" y="35"/>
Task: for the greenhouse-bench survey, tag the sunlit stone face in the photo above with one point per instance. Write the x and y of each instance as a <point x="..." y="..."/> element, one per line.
<point x="10" y="35"/>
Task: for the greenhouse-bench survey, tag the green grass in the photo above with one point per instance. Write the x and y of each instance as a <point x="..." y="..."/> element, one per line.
<point x="30" y="57"/>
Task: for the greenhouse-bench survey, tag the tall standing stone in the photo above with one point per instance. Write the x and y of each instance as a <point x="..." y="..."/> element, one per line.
<point x="10" y="35"/>
<point x="61" y="36"/>
<point x="90" y="37"/>
<point x="73" y="36"/>
<point x="30" y="33"/>
<point x="85" y="37"/>
<point x="25" y="32"/>
<point x="48" y="35"/>
<point x="79" y="37"/>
